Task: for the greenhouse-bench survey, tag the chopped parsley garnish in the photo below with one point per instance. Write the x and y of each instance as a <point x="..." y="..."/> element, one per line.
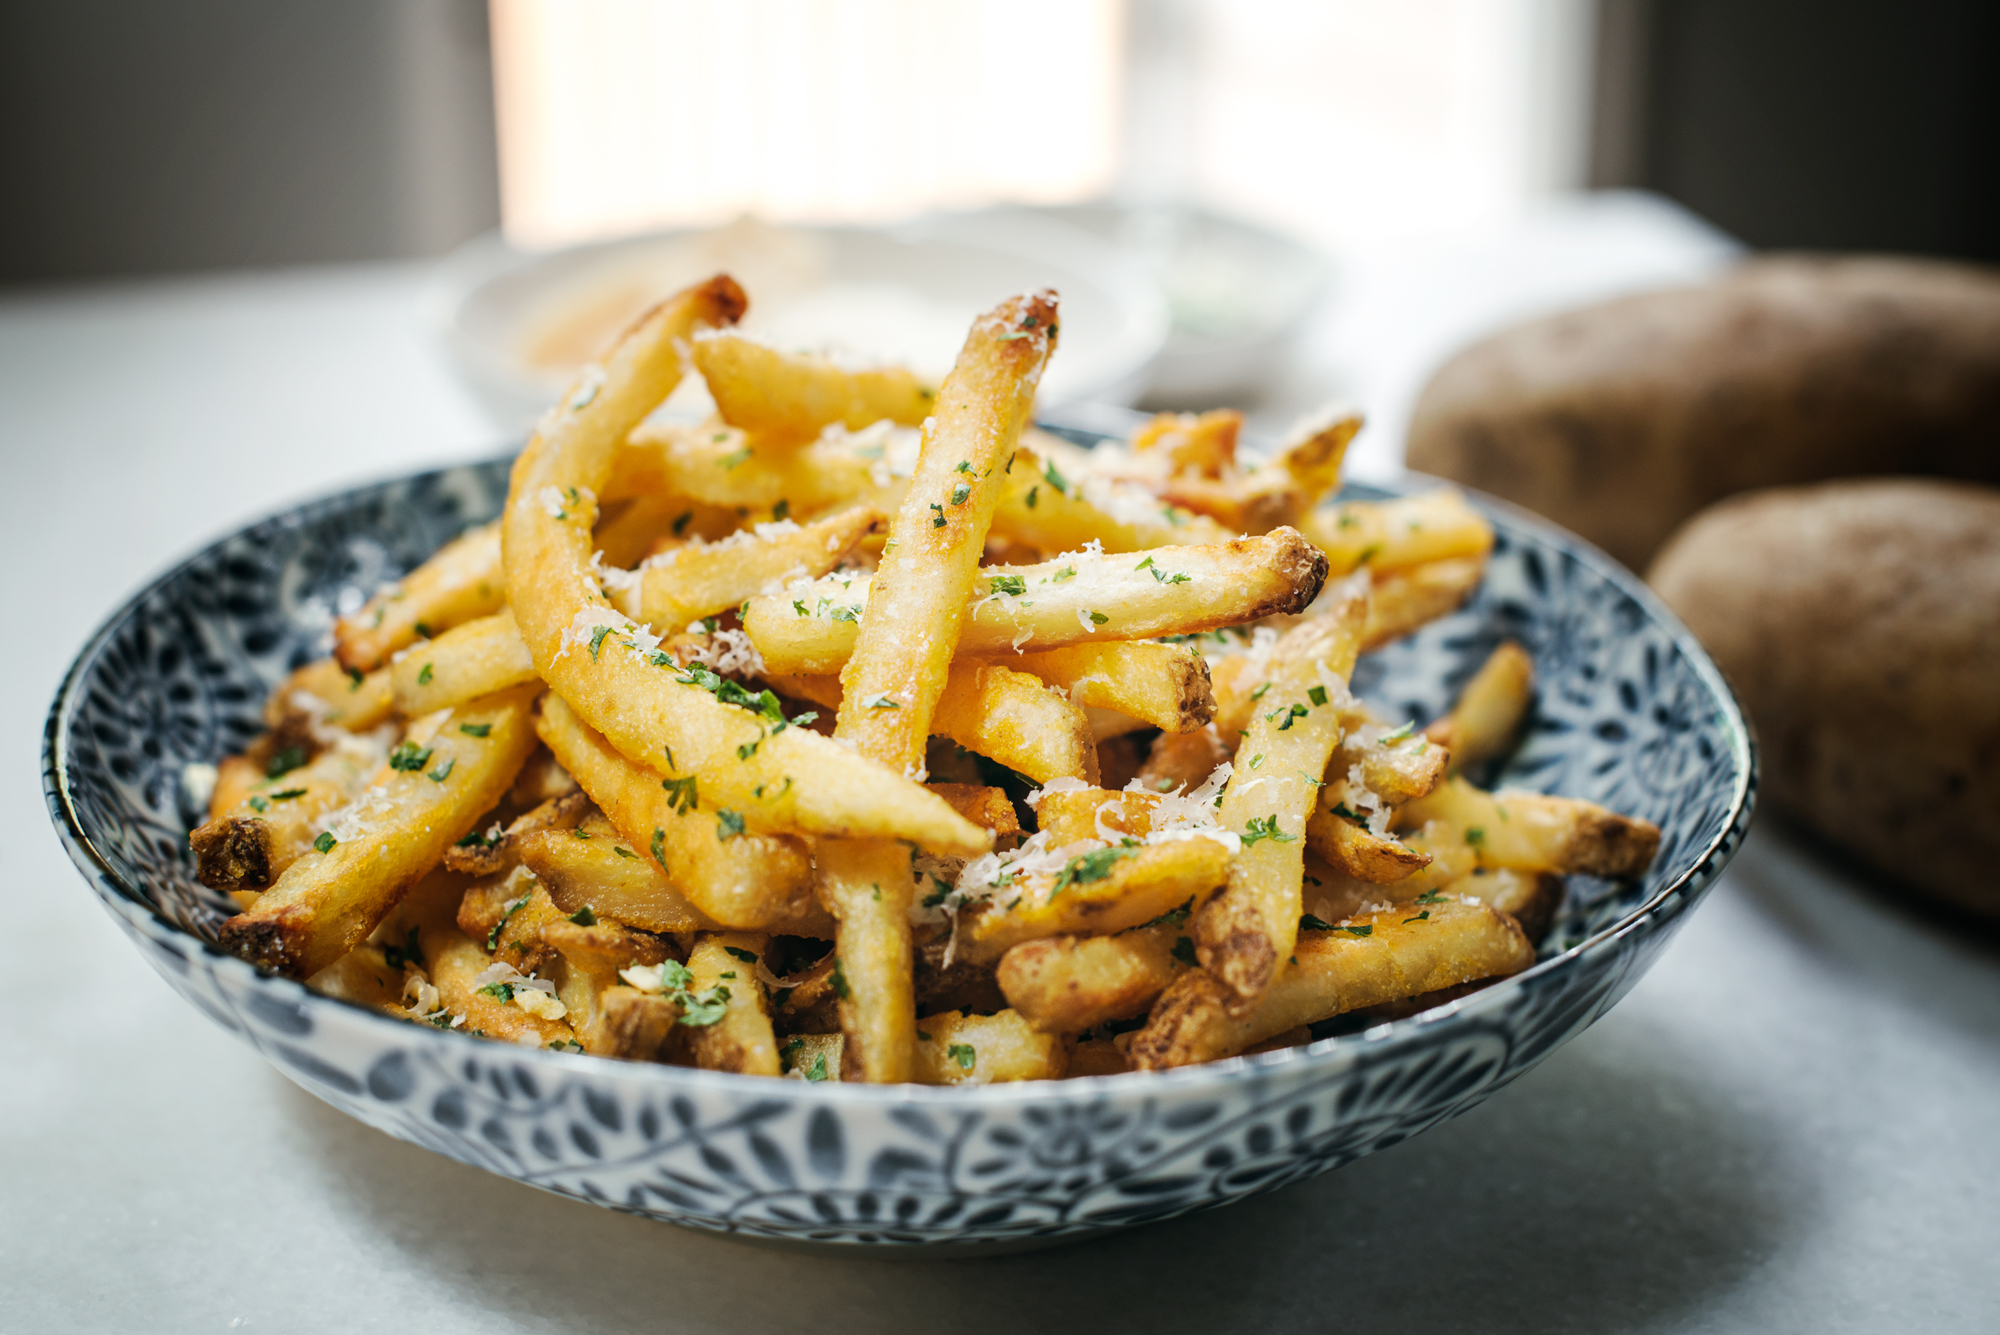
<point x="1264" y="827"/>
<point x="423" y="630"/>
<point x="587" y="916"/>
<point x="1064" y="575"/>
<point x="1419" y="918"/>
<point x="1086" y="868"/>
<point x="478" y="840"/>
<point x="747" y="956"/>
<point x="325" y="841"/>
<point x="410" y="953"/>
<point x="424" y="675"/>
<point x="1295" y="712"/>
<point x="938" y="520"/>
<point x="259" y="804"/>
<point x="285" y="761"/>
<point x="840" y="988"/>
<point x="1258" y="694"/>
<point x="1342" y="809"/>
<point x="501" y="992"/>
<point x="1172" y="917"/>
<point x="1390" y="739"/>
<point x="288" y="794"/>
<point x="624" y="852"/>
<point x="781" y="510"/>
<point x="597" y="640"/>
<point x="963" y="1054"/>
<point x="960" y="494"/>
<point x="728" y="824"/>
<point x="493" y="937"/>
<point x="1476" y="835"/>
<point x="881" y="701"/>
<point x="748" y="749"/>
<point x="443" y="772"/>
<point x="1034" y="494"/>
<point x="680" y="525"/>
<point x="1056" y="479"/>
<point x="1317" y="695"/>
<point x="475" y="729"/>
<point x="660" y="848"/>
<point x="1013" y="584"/>
<point x="817" y="1071"/>
<point x="409" y="756"/>
<point x="1256" y="760"/>
<point x="1432" y="897"/>
<point x="1184" y="951"/>
<point x="1098" y="618"/>
<point x="355" y="676"/>
<point x="731" y="460"/>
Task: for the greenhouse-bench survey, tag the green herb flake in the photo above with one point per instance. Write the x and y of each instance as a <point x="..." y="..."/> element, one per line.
<point x="1419" y="918"/>
<point x="1256" y="760"/>
<point x="288" y="794"/>
<point x="840" y="988"/>
<point x="782" y="510"/>
<point x="1056" y="479"/>
<point x="424" y="675"/>
<point x="587" y="916"/>
<point x="1265" y="827"/>
<point x="747" y="956"/>
<point x="1088" y="868"/>
<point x="1258" y="694"/>
<point x="285" y="761"/>
<point x="1476" y="835"/>
<point x="728" y="824"/>
<point x="1012" y="584"/>
<point x="1184" y="951"/>
<point x="660" y="848"/>
<point x="475" y="729"/>
<point x="1400" y="734"/>
<point x="937" y="520"/>
<point x="881" y="701"/>
<point x="963" y="1054"/>
<point x="624" y="852"/>
<point x="731" y="460"/>
<point x="325" y="841"/>
<point x="1034" y="495"/>
<point x="443" y="772"/>
<point x="410" y="954"/>
<point x="701" y="1009"/>
<point x="1317" y="695"/>
<point x="259" y="804"/>
<point x="501" y="992"/>
<point x="680" y="525"/>
<point x="410" y="757"/>
<point x="1098" y="618"/>
<point x="493" y="937"/>
<point x="817" y="1071"/>
<point x="1063" y="576"/>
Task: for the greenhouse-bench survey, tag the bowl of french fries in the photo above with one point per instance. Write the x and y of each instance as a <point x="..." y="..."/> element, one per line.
<point x="870" y="817"/>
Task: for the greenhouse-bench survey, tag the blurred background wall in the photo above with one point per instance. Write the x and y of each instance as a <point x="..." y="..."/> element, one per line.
<point x="171" y="135"/>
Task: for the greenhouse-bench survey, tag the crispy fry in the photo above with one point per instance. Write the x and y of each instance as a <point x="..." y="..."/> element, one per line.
<point x="985" y="807"/>
<point x="1397" y="771"/>
<point x="723" y="466"/>
<point x="866" y="885"/>
<point x="698" y="579"/>
<point x="1204" y="444"/>
<point x="1104" y="890"/>
<point x="456" y="962"/>
<point x="1529" y="898"/>
<point x="1094" y="813"/>
<point x="1398" y="534"/>
<point x="1080" y="598"/>
<point x="1253" y="502"/>
<point x="470" y="660"/>
<point x="584" y="869"/>
<point x="1181" y="762"/>
<point x="958" y="1049"/>
<point x="1533" y="832"/>
<point x="1352" y="848"/>
<point x="479" y="855"/>
<point x="591" y="957"/>
<point x="506" y="914"/>
<point x="1066" y="984"/>
<point x="813" y="1056"/>
<point x="328" y="902"/>
<point x="1244" y="934"/>
<point x="1163" y="685"/>
<point x="1490" y="710"/>
<point x="736" y="877"/>
<point x="631" y="693"/>
<point x="277" y="819"/>
<point x="633" y="1024"/>
<point x="460" y="582"/>
<point x="325" y="693"/>
<point x="1314" y="451"/>
<point x="1402" y="955"/>
<point x="790" y="397"/>
<point x="1406" y="600"/>
<point x="741" y="1040"/>
<point x="1045" y="509"/>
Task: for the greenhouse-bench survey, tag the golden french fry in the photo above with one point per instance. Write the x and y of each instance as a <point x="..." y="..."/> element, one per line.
<point x="1204" y="444"/>
<point x="1094" y="814"/>
<point x="1314" y="452"/>
<point x="1244" y="934"/>
<point x="741" y="1040"/>
<point x="791" y="397"/>
<point x="497" y="1009"/>
<point x="1370" y="959"/>
<point x="1396" y="534"/>
<point x="325" y="693"/>
<point x="1529" y="898"/>
<point x="958" y="1049"/>
<point x="1067" y="984"/>
<point x="1081" y="598"/>
<point x="1253" y="502"/>
<point x="472" y="659"/>
<point x="1395" y="768"/>
<point x="592" y="954"/>
<point x="635" y="1025"/>
<point x="597" y="660"/>
<point x="1534" y="832"/>
<point x="1095" y="1056"/>
<point x="276" y="819"/>
<point x="813" y="1056"/>
<point x="699" y="579"/>
<point x="723" y="466"/>
<point x="590" y="868"/>
<point x="461" y="581"/>
<point x="494" y="854"/>
<point x="1490" y="710"/>
<point x="1179" y="762"/>
<point x="737" y="877"/>
<point x="365" y="977"/>
<point x="1045" y="509"/>
<point x="506" y="915"/>
<point x="1352" y="848"/>
<point x="328" y="902"/>
<point x="1103" y="890"/>
<point x="1162" y="685"/>
<point x="1405" y="600"/>
<point x="985" y="807"/>
<point x="902" y="656"/>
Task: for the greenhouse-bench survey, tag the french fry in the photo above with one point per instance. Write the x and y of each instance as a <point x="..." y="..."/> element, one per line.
<point x="1043" y="508"/>
<point x="736" y="877"/>
<point x="813" y="1057"/>
<point x="866" y="885"/>
<point x="1490" y="710"/>
<point x="1094" y="814"/>
<point x="592" y="954"/>
<point x="472" y="659"/>
<point x="363" y="976"/>
<point x="276" y="820"/>
<point x="1397" y="769"/>
<point x="1529" y="898"/>
<point x="635" y="1025"/>
<point x="723" y="466"/>
<point x="235" y="778"/>
<point x="740" y="1041"/>
<point x="1244" y="934"/>
<point x="1314" y="452"/>
<point x="479" y="855"/>
<point x="1406" y="600"/>
<point x="1104" y="890"/>
<point x="958" y="1049"/>
<point x="789" y="397"/>
<point x="1081" y="598"/>
<point x="1163" y="685"/>
<point x="328" y="901"/>
<point x="1204" y="444"/>
<point x="1253" y="502"/>
<point x="1067" y="984"/>
<point x="1178" y="762"/>
<point x="325" y="693"/>
<point x="506" y="915"/>
<point x="700" y="579"/>
<point x="584" y="869"/>
<point x="1397" y="534"/>
<point x="456" y="963"/>
<point x="1362" y="854"/>
<point x="988" y="808"/>
<point x="1401" y="954"/>
<point x="1534" y="832"/>
<point x="460" y="582"/>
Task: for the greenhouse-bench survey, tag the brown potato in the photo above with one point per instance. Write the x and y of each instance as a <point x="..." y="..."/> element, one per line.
<point x="1622" y="419"/>
<point x="1860" y="624"/>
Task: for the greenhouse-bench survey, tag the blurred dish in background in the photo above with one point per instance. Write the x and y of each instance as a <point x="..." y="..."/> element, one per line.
<point x="519" y="325"/>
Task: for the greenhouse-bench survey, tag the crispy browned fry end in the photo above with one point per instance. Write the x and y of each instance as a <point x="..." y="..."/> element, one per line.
<point x="329" y="901"/>
<point x="1140" y="885"/>
<point x="1359" y="852"/>
<point x="591" y="957"/>
<point x="1315" y="450"/>
<point x="472" y="659"/>
<point x="1490" y="710"/>
<point x="1404" y="954"/>
<point x="1529" y="898"/>
<point x="1254" y="502"/>
<point x="1535" y="832"/>
<point x="960" y="985"/>
<point x="326" y="694"/>
<point x="1016" y="719"/>
<point x="741" y="1041"/>
<point x="1075" y="815"/>
<point x="1244" y="934"/>
<point x="805" y="1002"/>
<point x="1164" y="685"/>
<point x="813" y="1056"/>
<point x="462" y="580"/>
<point x="736" y="877"/>
<point x="1095" y="1056"/>
<point x="276" y="820"/>
<point x="1181" y="762"/>
<point x="558" y="813"/>
<point x="1204" y="444"/>
<point x="791" y="397"/>
<point x="232" y="852"/>
<point x="1067" y="984"/>
<point x="635" y="1025"/>
<point x="506" y="915"/>
<point x="959" y="1049"/>
<point x="1407" y="600"/>
<point x="989" y="808"/>
<point x="455" y="960"/>
<point x="603" y="873"/>
<point x="1396" y="534"/>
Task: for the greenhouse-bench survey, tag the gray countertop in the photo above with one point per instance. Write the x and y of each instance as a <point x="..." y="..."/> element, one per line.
<point x="1787" y="1126"/>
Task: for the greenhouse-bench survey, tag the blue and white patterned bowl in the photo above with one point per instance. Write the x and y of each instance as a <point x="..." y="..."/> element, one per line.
<point x="1631" y="713"/>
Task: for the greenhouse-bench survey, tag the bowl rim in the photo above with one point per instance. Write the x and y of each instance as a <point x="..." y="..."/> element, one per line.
<point x="1323" y="1055"/>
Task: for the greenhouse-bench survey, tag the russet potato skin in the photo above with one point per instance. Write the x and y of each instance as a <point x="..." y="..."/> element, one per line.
<point x="1622" y="419"/>
<point x="1860" y="624"/>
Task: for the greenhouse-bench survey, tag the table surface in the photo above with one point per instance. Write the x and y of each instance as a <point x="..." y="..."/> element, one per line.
<point x="1787" y="1125"/>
